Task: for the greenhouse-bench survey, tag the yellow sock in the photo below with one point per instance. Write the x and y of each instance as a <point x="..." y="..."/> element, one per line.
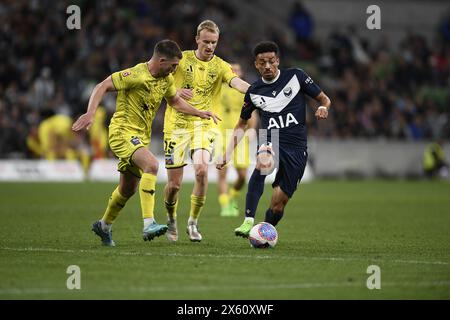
<point x="171" y="209"/>
<point x="234" y="193"/>
<point x="115" y="204"/>
<point x="197" y="203"/>
<point x="85" y="160"/>
<point x="224" y="200"/>
<point x="147" y="194"/>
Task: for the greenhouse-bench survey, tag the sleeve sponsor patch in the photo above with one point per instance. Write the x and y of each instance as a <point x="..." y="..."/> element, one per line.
<point x="135" y="141"/>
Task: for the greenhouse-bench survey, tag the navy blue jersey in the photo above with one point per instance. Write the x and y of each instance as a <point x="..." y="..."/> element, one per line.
<point x="282" y="105"/>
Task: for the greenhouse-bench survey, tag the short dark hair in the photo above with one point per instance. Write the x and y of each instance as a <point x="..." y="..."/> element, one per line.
<point x="167" y="48"/>
<point x="266" y="46"/>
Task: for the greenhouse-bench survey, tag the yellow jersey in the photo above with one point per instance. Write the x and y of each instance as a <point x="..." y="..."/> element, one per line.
<point x="98" y="135"/>
<point x="138" y="100"/>
<point x="58" y="125"/>
<point x="205" y="78"/>
<point x="55" y="137"/>
<point x="230" y="108"/>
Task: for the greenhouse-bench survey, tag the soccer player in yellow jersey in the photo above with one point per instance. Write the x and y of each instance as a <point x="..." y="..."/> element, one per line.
<point x="55" y="138"/>
<point x="140" y="90"/>
<point x="199" y="79"/>
<point x="229" y="111"/>
<point x="98" y="135"/>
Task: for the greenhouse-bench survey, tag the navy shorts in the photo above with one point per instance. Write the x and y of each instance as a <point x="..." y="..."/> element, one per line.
<point x="290" y="168"/>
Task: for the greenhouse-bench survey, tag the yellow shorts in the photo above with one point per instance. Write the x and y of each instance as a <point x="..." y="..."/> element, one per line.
<point x="124" y="145"/>
<point x="241" y="154"/>
<point x="176" y="144"/>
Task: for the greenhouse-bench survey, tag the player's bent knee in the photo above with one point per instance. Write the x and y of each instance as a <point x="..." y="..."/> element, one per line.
<point x="201" y="173"/>
<point x="173" y="187"/>
<point x="151" y="167"/>
<point x="278" y="207"/>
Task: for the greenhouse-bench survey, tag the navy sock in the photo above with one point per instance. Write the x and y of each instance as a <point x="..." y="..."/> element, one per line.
<point x="273" y="218"/>
<point x="254" y="193"/>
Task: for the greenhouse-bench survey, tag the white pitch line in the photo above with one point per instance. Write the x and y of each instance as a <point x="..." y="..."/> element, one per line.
<point x="162" y="288"/>
<point x="233" y="256"/>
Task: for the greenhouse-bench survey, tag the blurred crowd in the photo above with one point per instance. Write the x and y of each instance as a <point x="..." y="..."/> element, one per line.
<point x="377" y="91"/>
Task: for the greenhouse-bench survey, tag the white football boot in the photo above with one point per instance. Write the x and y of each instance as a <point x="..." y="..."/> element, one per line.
<point x="193" y="232"/>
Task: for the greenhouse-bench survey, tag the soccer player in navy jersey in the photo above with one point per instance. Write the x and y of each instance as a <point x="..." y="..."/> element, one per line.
<point x="279" y="97"/>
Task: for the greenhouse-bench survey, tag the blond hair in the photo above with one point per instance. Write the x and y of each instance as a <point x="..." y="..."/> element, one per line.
<point x="208" y="25"/>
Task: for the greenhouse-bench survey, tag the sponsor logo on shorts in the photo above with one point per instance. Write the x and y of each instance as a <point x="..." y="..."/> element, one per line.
<point x="169" y="159"/>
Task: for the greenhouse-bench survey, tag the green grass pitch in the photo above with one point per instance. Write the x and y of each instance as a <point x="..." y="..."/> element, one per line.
<point x="331" y="233"/>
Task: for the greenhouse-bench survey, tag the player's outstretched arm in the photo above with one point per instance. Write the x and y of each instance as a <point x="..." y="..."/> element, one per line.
<point x="238" y="134"/>
<point x="186" y="94"/>
<point x="239" y="84"/>
<point x="85" y="120"/>
<point x="182" y="106"/>
<point x="325" y="103"/>
<point x="252" y="126"/>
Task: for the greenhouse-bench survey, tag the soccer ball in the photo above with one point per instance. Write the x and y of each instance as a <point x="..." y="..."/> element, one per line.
<point x="263" y="235"/>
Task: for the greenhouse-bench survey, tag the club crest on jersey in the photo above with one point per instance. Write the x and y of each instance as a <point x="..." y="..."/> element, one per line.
<point x="279" y="122"/>
<point x="126" y="73"/>
<point x="287" y="92"/>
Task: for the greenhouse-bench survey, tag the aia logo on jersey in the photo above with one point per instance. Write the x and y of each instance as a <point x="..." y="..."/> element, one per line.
<point x="126" y="73"/>
<point x="280" y="122"/>
<point x="287" y="92"/>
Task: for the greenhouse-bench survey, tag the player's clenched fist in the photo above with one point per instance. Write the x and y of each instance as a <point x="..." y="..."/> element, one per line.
<point x="322" y="112"/>
<point x="221" y="162"/>
<point x="265" y="161"/>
